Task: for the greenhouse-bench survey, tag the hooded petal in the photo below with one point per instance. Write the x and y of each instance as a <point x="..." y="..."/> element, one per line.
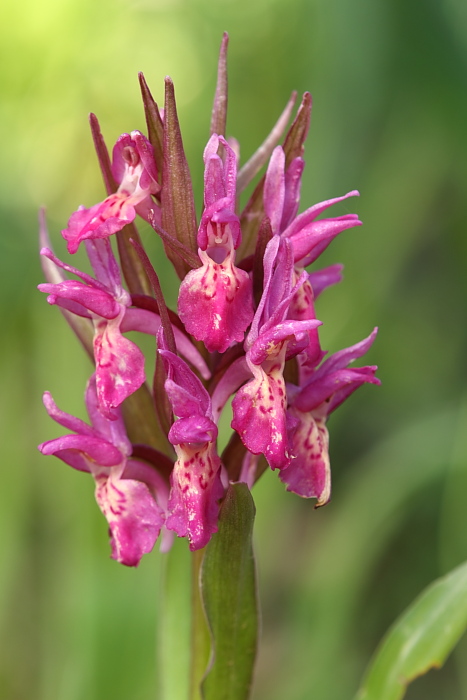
<point x="186" y="392"/>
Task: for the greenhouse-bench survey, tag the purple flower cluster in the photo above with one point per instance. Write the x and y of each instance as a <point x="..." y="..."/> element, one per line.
<point x="246" y="329"/>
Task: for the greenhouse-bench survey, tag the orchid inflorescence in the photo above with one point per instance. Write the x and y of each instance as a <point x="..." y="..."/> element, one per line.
<point x="246" y="328"/>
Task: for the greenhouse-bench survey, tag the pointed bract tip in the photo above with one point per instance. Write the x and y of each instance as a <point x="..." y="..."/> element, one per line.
<point x="93" y="120"/>
<point x="143" y="84"/>
<point x="44" y="240"/>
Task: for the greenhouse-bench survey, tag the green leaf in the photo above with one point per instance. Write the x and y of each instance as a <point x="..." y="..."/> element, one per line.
<point x="228" y="587"/>
<point x="200" y="635"/>
<point x="421" y="639"/>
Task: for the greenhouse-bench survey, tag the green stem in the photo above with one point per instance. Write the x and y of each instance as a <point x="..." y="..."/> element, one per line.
<point x="200" y="638"/>
<point x="174" y="624"/>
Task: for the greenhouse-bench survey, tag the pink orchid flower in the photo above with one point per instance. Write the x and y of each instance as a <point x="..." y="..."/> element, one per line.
<point x="134" y="169"/>
<point x="131" y="494"/>
<point x="215" y="301"/>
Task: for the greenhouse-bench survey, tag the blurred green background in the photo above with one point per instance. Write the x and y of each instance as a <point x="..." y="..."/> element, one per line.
<point x="388" y="79"/>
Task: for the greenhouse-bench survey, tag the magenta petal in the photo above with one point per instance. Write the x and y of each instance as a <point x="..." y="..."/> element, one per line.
<point x="214" y="188"/>
<point x="183" y="385"/>
<point x="321" y="279"/>
<point x="196" y="429"/>
<point x="301" y="308"/>
<point x="274" y="189"/>
<point x="219" y="178"/>
<point x="186" y="404"/>
<point x="215" y="303"/>
<point x="308" y="474"/>
<point x="259" y="416"/>
<point x="360" y="376"/>
<point x="95" y="300"/>
<point x="73" y="458"/>
<point x="133" y="515"/>
<point x="65" y="419"/>
<point x="313" y="239"/>
<point x="106" y="268"/>
<point x="71" y="306"/>
<point x="112" y="430"/>
<point x="94" y="448"/>
<point x="230" y="171"/>
<point x="119" y="366"/>
<point x="148" y="179"/>
<point x="317" y="392"/>
<point x="287" y="330"/>
<point x="293" y="178"/>
<point x="99" y="221"/>
<point x="261" y="313"/>
<point x="341" y="359"/>
<point x="56" y="276"/>
<point x="306" y="217"/>
<point x="133" y="164"/>
<point x="193" y="506"/>
<point x="219" y="228"/>
<point x="123" y="145"/>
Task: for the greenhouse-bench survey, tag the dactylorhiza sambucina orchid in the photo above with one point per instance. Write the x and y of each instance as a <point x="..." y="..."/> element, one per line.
<point x="246" y="328"/>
